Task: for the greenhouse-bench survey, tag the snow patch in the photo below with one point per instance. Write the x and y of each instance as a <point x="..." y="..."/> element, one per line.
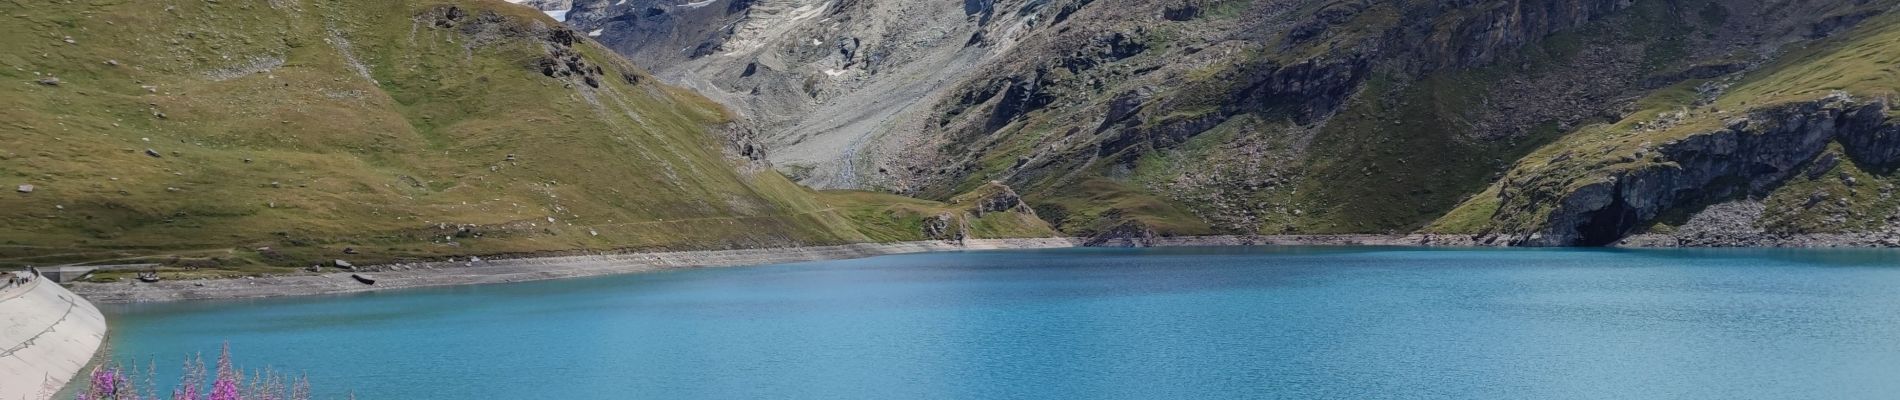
<point x="559" y="15"/>
<point x="594" y="33"/>
<point x="834" y="72"/>
<point x="696" y="4"/>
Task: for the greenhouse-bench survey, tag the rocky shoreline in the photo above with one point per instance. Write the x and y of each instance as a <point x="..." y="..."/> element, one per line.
<point x="415" y="275"/>
<point x="1318" y="240"/>
<point x="1791" y="241"/>
<point x="430" y="274"/>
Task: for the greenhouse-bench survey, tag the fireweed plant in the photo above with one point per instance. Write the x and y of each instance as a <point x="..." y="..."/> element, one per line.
<point x="114" y="381"/>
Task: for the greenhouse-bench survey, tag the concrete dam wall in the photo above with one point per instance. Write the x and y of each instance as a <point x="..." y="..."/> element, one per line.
<point x="47" y="334"/>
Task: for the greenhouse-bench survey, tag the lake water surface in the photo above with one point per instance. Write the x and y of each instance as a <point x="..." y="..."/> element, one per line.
<point x="1184" y="323"/>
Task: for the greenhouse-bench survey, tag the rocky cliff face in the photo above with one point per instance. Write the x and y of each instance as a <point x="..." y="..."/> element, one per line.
<point x="1129" y="118"/>
<point x="1750" y="156"/>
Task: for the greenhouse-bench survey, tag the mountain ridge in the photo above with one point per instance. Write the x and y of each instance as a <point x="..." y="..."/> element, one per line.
<point x="1147" y="118"/>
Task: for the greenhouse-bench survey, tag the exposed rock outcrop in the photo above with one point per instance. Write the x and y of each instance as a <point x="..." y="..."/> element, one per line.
<point x="996" y="197"/>
<point x="1127" y="234"/>
<point x="562" y="61"/>
<point x="1749" y="156"/>
<point x="945" y="227"/>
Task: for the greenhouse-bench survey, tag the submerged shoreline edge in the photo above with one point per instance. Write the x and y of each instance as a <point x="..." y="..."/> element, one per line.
<point x="535" y="268"/>
<point x="507" y="270"/>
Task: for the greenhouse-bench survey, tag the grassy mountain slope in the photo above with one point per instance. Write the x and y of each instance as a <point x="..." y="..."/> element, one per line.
<point x="1833" y="190"/>
<point x="283" y="131"/>
<point x="990" y="211"/>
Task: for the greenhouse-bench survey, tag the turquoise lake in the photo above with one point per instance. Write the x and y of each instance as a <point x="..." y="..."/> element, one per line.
<point x="1177" y="323"/>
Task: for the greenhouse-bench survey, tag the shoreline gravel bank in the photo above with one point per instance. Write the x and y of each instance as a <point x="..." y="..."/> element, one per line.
<point x="431" y="274"/>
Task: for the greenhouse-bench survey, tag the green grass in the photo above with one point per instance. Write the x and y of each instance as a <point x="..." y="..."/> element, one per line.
<point x="889" y="218"/>
<point x="885" y="217"/>
<point x="1861" y="61"/>
<point x="308" y="156"/>
<point x="1859" y="207"/>
<point x="1094" y="205"/>
<point x="1398" y="165"/>
<point x="1470" y="217"/>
